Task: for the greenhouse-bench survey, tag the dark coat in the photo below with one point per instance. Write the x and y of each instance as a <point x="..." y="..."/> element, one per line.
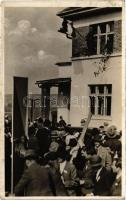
<point x="33" y="143"/>
<point x="114" y="144"/>
<point x="57" y="182"/>
<point x="62" y="123"/>
<point x="71" y="181"/>
<point x="35" y="182"/>
<point x="102" y="185"/>
<point x="43" y="136"/>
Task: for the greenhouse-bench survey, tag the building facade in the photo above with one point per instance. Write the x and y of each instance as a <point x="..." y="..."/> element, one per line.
<point x="96" y="74"/>
<point x="95" y="70"/>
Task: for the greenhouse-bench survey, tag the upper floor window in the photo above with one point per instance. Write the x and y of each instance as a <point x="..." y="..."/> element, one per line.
<point x="100" y="99"/>
<point x="100" y="38"/>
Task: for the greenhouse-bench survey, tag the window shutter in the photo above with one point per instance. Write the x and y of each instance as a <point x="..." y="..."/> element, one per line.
<point x="79" y="44"/>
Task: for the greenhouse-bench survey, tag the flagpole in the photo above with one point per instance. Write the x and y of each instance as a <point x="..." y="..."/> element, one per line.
<point x="12" y="144"/>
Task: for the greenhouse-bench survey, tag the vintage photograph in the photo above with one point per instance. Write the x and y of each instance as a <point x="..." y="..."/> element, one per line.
<point x="63" y="101"/>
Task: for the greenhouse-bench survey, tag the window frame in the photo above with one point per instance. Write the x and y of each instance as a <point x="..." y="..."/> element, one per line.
<point x="99" y="33"/>
<point x="104" y="95"/>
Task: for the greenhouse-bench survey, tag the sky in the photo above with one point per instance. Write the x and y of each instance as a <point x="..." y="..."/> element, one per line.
<point x="33" y="45"/>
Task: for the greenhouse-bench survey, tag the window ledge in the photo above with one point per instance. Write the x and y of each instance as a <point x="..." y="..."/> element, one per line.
<point x="99" y="117"/>
<point x="94" y="56"/>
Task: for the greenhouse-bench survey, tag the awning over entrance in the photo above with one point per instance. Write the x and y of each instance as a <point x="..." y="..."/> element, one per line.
<point x="52" y="82"/>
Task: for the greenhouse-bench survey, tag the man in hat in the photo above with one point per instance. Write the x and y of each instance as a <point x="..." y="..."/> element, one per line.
<point x="68" y="174"/>
<point x="43" y="136"/>
<point x="62" y="122"/>
<point x="82" y="122"/>
<point x="103" y="152"/>
<point x="35" y="180"/>
<point x="100" y="177"/>
<point x="112" y="141"/>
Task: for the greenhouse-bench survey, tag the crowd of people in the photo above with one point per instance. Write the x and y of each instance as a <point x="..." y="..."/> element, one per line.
<point x="57" y="165"/>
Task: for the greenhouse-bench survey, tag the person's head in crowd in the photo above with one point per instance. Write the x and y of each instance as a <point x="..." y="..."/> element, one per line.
<point x="97" y="142"/>
<point x="105" y="124"/>
<point x="61" y="117"/>
<point x="30" y="157"/>
<point x="35" y="124"/>
<point x="76" y="134"/>
<point x="82" y="122"/>
<point x="31" y="131"/>
<point x="101" y="129"/>
<point x="68" y="130"/>
<point x="62" y="136"/>
<point x="112" y="131"/>
<point x="96" y="162"/>
<point x="40" y="122"/>
<point x="47" y="123"/>
<point x="72" y="142"/>
<point x="95" y="132"/>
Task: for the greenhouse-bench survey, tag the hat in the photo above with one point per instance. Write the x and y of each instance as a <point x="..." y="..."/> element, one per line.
<point x="101" y="127"/>
<point x="83" y="121"/>
<point x="50" y="156"/>
<point x="95" y="161"/>
<point x="111" y="131"/>
<point x="72" y="142"/>
<point x="106" y="123"/>
<point x="30" y="154"/>
<point x="40" y="120"/>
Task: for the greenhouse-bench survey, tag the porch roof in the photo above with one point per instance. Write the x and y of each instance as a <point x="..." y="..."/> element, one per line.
<point x="53" y="82"/>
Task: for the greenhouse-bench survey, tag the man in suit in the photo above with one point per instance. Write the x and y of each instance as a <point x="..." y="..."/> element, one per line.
<point x="43" y="135"/>
<point x="103" y="152"/>
<point x="36" y="180"/>
<point x="100" y="176"/>
<point x="68" y="174"/>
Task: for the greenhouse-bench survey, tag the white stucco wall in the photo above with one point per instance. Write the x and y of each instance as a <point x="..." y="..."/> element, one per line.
<point x="82" y="76"/>
<point x="65" y="72"/>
